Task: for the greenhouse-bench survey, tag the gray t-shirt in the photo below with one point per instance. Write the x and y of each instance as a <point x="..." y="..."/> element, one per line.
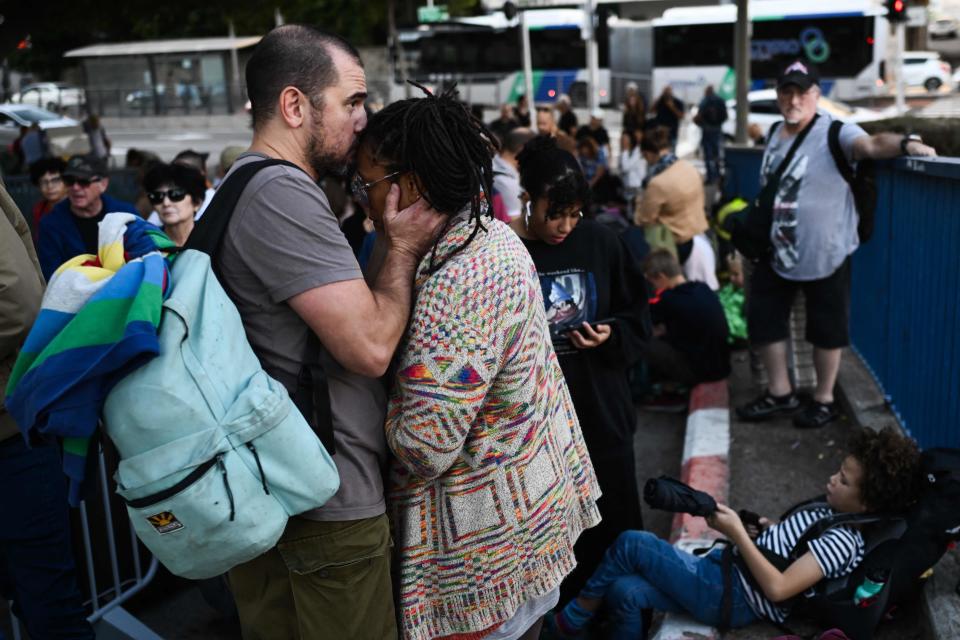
<point x="814" y="217"/>
<point x="282" y="240"/>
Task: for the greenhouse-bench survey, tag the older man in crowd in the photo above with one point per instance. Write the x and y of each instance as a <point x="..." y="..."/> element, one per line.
<point x="813" y="233"/>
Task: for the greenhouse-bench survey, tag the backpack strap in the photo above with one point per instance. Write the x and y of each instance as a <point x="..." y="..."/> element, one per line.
<point x="793" y="147"/>
<point x="833" y="141"/>
<point x="211" y="228"/>
<point x="813" y="503"/>
<point x="310" y="391"/>
<point x="824" y="525"/>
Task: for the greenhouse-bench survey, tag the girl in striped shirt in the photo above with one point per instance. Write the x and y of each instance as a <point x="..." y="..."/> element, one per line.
<point x="640" y="571"/>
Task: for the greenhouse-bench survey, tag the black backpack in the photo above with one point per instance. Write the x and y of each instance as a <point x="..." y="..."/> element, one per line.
<point x="899" y="550"/>
<point x="862" y="181"/>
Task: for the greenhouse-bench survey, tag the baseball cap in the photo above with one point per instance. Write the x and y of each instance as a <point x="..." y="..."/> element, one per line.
<point x="597" y="113"/>
<point x="85" y="167"/>
<point x="800" y="73"/>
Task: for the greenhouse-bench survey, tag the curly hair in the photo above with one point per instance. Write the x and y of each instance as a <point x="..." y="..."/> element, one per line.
<point x="891" y="466"/>
<point x="548" y="171"/>
<point x="446" y="147"/>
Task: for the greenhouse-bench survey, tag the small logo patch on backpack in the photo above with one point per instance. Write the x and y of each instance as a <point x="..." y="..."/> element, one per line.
<point x="165" y="522"/>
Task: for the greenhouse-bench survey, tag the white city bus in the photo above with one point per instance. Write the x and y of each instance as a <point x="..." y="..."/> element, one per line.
<point x="846" y="39"/>
<point x="483" y="56"/>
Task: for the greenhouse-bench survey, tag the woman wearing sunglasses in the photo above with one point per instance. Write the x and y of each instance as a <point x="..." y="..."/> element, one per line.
<point x="491" y="483"/>
<point x="177" y="193"/>
<point x="595" y="298"/>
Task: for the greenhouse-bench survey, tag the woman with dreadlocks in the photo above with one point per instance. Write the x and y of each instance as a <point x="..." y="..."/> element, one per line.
<point x="595" y="296"/>
<point x="492" y="484"/>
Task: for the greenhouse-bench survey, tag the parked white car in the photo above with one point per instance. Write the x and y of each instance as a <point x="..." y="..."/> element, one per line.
<point x="926" y="69"/>
<point x="942" y="28"/>
<point x="66" y="135"/>
<point x="50" y="95"/>
<point x="764" y="111"/>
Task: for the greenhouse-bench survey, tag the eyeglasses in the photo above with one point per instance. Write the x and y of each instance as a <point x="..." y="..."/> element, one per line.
<point x="175" y="195"/>
<point x="50" y="182"/>
<point x="359" y="188"/>
<point x="83" y="182"/>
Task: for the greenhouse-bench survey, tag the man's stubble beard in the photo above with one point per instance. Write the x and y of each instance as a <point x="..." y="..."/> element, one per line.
<point x="323" y="161"/>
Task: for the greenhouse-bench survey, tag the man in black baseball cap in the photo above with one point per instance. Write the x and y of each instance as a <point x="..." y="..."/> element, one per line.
<point x="798" y="90"/>
<point x="71" y="227"/>
<point x="799" y="73"/>
<point x="813" y="233"/>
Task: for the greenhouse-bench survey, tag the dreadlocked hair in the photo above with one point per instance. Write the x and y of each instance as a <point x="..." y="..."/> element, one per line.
<point x="548" y="171"/>
<point x="448" y="149"/>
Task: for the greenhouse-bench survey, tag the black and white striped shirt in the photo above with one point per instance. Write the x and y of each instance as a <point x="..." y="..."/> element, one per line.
<point x="838" y="552"/>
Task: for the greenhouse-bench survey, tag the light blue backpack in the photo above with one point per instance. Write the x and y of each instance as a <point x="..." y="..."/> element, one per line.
<point x="214" y="455"/>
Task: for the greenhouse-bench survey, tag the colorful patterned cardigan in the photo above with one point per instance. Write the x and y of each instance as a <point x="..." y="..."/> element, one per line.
<point x="492" y="483"/>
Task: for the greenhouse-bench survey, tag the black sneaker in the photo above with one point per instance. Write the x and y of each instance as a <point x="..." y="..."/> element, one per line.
<point x="816" y="415"/>
<point x="767" y="406"/>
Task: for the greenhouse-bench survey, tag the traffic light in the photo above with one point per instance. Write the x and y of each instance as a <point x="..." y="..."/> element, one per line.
<point x="897" y="10"/>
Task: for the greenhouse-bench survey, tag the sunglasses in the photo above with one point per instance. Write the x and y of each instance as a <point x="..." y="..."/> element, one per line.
<point x="83" y="182"/>
<point x="359" y="188"/>
<point x="175" y="195"/>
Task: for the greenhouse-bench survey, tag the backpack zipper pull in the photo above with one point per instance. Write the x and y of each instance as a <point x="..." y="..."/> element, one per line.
<point x="263" y="477"/>
<point x="226" y="484"/>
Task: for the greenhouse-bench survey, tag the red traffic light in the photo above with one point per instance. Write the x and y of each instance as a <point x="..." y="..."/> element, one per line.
<point x="897" y="10"/>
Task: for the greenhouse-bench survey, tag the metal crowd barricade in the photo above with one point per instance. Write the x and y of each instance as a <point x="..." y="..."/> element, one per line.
<point x="106" y="603"/>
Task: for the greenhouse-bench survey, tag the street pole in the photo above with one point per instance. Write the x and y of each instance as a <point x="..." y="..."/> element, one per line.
<point x="742" y="64"/>
<point x="528" y="69"/>
<point x="901" y="38"/>
<point x="593" y="56"/>
<point x="235" y="65"/>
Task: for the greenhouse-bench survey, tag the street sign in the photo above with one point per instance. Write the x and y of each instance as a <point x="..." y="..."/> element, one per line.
<point x="435" y="13"/>
<point x="916" y="16"/>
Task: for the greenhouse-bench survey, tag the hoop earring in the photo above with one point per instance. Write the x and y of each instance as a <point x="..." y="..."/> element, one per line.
<point x="526" y="216"/>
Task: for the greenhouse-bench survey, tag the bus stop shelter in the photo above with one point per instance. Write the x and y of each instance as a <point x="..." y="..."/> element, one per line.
<point x="165" y="76"/>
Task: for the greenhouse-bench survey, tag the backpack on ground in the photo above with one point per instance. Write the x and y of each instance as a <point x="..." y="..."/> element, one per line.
<point x="899" y="551"/>
<point x="862" y="180"/>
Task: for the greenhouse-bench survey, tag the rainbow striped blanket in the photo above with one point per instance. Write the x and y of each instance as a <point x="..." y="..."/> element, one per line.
<point x="98" y="321"/>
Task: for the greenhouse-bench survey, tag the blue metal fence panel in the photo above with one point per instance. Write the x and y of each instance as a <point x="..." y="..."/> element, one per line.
<point x="906" y="297"/>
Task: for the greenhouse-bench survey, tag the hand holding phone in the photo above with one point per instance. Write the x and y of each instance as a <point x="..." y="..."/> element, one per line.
<point x="590" y="334"/>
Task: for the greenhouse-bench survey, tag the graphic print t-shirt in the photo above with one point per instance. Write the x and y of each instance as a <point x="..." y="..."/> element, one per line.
<point x="570" y="296"/>
<point x="592" y="276"/>
<point x="814" y="225"/>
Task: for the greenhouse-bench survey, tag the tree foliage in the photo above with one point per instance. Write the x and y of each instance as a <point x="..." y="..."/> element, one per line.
<point x="58" y="26"/>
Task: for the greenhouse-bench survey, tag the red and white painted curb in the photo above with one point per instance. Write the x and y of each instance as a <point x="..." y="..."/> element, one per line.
<point x="706" y="467"/>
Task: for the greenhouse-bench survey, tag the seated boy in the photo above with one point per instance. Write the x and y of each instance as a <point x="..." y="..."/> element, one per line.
<point x="689" y="325"/>
<point x="641" y="571"/>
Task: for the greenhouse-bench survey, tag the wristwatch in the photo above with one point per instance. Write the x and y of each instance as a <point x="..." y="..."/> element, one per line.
<point x="907" y="139"/>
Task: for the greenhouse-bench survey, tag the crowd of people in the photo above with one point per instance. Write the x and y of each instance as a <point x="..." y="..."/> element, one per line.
<point x="479" y="300"/>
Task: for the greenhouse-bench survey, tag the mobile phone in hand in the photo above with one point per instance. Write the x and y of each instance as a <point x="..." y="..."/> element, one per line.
<point x="592" y="324"/>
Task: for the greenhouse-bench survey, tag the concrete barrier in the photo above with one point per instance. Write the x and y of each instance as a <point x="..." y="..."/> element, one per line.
<point x="706" y="467"/>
